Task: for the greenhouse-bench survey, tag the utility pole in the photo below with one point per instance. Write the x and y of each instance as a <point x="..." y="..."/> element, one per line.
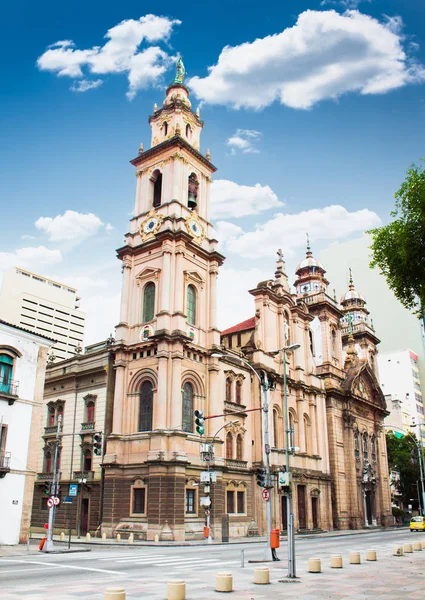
<point x="48" y="546"/>
<point x="268" y="554"/>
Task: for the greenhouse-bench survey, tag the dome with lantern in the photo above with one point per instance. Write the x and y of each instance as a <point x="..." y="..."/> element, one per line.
<point x="352" y="298"/>
<point x="353" y="305"/>
<point x="310" y="275"/>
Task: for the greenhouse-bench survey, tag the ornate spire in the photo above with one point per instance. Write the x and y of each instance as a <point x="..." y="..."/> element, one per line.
<point x="308" y="253"/>
<point x="350" y="279"/>
<point x="280" y="276"/>
<point x="180" y="71"/>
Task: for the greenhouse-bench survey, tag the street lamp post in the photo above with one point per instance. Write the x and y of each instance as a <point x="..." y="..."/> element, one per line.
<point x="289" y="513"/>
<point x="268" y="554"/>
<point x="420" y="449"/>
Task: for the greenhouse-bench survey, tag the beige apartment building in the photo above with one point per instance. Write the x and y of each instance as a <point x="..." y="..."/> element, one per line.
<point x="43" y="306"/>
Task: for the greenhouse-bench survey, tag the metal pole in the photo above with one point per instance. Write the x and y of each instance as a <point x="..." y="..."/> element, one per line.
<point x="289" y="515"/>
<point x="422" y="465"/>
<point x="268" y="555"/>
<point x="72" y="462"/>
<point x="209" y="539"/>
<point x="48" y="546"/>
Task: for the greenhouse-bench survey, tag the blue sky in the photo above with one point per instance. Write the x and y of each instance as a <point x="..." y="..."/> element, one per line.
<point x="313" y="107"/>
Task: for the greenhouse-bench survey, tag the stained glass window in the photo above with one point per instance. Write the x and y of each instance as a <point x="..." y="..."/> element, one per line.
<point x="146" y="406"/>
<point x="149" y="302"/>
<point x="191" y="305"/>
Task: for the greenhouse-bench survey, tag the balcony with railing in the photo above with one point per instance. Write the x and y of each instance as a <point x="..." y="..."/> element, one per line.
<point x="318" y="298"/>
<point x="80" y="475"/>
<point x="358" y="328"/>
<point x="5" y="458"/>
<point x="9" y="389"/>
<point x="236" y="464"/>
<point x="50" y="430"/>
<point x="87" y="426"/>
<point x="46" y="476"/>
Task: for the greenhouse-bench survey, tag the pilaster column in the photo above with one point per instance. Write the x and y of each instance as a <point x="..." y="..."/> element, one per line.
<point x="177" y="187"/>
<point x="119" y="397"/>
<point x="165" y="280"/>
<point x="179" y="283"/>
<point x="160" y="413"/>
<point x="213" y="296"/>
<point x="126" y="269"/>
<point x="176" y="394"/>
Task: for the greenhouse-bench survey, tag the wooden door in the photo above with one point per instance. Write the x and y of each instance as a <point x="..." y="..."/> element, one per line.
<point x="84" y="516"/>
<point x="314" y="512"/>
<point x="302" y="513"/>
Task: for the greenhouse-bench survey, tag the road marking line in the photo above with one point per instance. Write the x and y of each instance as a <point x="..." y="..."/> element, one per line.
<point x="132" y="557"/>
<point x="33" y="562"/>
<point x="19" y="570"/>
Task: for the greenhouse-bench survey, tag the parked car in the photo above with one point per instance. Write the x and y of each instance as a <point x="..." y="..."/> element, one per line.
<point x="417" y="524"/>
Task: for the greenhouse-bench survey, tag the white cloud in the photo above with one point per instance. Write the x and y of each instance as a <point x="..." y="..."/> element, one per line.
<point x="30" y="258"/>
<point x="287" y="231"/>
<point x="85" y="84"/>
<point x="118" y="55"/>
<point x="348" y="4"/>
<point x="229" y="199"/>
<point x="226" y="231"/>
<point x="324" y="55"/>
<point x="69" y="226"/>
<point x="244" y="141"/>
<point x="239" y="305"/>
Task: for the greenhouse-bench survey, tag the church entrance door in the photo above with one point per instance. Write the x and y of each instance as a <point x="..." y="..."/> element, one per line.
<point x="314" y="512"/>
<point x="368" y="502"/>
<point x="302" y="517"/>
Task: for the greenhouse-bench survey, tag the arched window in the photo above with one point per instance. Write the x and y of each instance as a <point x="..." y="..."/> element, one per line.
<point x="187" y="418"/>
<point x="48" y="463"/>
<point x="156" y="180"/>
<point x="191" y="305"/>
<point x="165" y="128"/>
<point x="373" y="448"/>
<point x="238" y="392"/>
<point x="333" y="342"/>
<point x="192" y="191"/>
<point x="90" y="412"/>
<point x="87" y="459"/>
<point x="229" y="445"/>
<point x="52" y="416"/>
<point x="239" y="448"/>
<point x="275" y="428"/>
<point x="188" y="131"/>
<point x="148" y="302"/>
<point x="228" y="389"/>
<point x="6" y="368"/>
<point x="146" y="406"/>
<point x="365" y="446"/>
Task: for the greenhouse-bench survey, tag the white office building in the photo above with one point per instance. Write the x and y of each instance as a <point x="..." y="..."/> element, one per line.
<point x="401" y="384"/>
<point x="23" y="357"/>
<point x="45" y="307"/>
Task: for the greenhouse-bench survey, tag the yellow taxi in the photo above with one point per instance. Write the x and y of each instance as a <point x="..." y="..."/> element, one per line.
<point x="417" y="524"/>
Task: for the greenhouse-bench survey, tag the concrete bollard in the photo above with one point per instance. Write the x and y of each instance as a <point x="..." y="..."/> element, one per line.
<point x="407" y="548"/>
<point x="176" y="590"/>
<point x="371" y="555"/>
<point x="336" y="562"/>
<point x="224" y="582"/>
<point x="131" y="538"/>
<point x="423" y="544"/>
<point x="62" y="536"/>
<point x="118" y="537"/>
<point x="355" y="558"/>
<point x="156" y="539"/>
<point x="261" y="575"/>
<point x="398" y="551"/>
<point x="88" y="537"/>
<point x="103" y="537"/>
<point x="114" y="594"/>
<point x="314" y="565"/>
<point x="417" y="546"/>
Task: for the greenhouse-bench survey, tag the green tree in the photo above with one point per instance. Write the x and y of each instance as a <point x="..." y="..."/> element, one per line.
<point x="403" y="457"/>
<point x="398" y="249"/>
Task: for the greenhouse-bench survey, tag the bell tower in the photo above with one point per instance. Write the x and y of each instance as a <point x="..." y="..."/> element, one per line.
<point x="167" y="322"/>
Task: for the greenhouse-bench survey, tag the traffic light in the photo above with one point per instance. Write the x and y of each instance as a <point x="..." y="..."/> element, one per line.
<point x="46" y="486"/>
<point x="199" y="421"/>
<point x="261" y="477"/>
<point x="97" y="443"/>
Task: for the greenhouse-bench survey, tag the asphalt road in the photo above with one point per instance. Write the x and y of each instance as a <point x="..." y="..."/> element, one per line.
<point x="80" y="574"/>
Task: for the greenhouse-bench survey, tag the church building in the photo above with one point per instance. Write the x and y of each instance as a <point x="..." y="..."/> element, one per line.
<point x="169" y="359"/>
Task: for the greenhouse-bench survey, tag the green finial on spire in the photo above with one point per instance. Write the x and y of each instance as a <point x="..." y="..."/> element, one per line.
<point x="180" y="71"/>
<point x="350" y="280"/>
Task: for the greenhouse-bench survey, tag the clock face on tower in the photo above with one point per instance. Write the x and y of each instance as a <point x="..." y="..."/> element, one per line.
<point x="195" y="228"/>
<point x="151" y="225"/>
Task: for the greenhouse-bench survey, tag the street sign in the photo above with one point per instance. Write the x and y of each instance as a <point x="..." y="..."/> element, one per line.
<point x="205" y="501"/>
<point x="56" y="500"/>
<point x="284" y="478"/>
<point x="73" y="489"/>
<point x="50" y="502"/>
<point x="207" y="512"/>
<point x="67" y="500"/>
<point x="266" y="495"/>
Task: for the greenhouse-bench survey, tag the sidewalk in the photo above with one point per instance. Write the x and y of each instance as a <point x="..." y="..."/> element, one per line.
<point x="32" y="547"/>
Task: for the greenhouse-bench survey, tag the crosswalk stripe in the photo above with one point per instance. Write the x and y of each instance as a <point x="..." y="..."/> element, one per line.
<point x="130" y="557"/>
<point x="144" y="559"/>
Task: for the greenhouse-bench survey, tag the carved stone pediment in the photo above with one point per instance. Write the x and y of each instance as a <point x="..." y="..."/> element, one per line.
<point x="194" y="277"/>
<point x="147" y="274"/>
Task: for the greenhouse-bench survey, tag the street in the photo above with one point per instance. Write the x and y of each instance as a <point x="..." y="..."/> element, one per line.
<point x="143" y="571"/>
